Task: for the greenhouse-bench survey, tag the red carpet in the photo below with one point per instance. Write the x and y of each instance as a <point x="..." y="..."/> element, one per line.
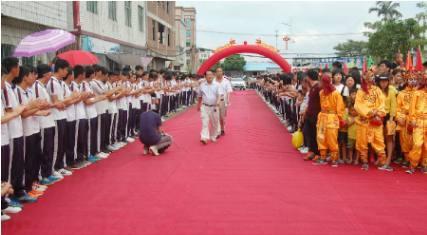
<point x="249" y="182"/>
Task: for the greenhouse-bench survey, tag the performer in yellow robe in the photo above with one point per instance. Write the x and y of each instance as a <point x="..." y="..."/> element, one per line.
<point x="418" y="124"/>
<point x="404" y="99"/>
<point x="370" y="106"/>
<point x="328" y="121"/>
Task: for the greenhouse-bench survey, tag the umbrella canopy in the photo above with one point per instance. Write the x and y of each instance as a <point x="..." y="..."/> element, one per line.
<point x="48" y="40"/>
<point x="75" y="57"/>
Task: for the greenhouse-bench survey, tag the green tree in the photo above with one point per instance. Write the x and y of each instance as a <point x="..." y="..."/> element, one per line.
<point x="234" y="63"/>
<point x="351" y="48"/>
<point x="393" y="36"/>
<point x="387" y="10"/>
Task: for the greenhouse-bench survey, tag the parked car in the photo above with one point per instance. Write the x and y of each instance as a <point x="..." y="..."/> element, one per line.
<point x="238" y="83"/>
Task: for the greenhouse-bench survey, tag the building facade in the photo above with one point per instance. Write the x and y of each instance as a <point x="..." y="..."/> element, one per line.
<point x="190" y="41"/>
<point x="19" y="19"/>
<point x="113" y="30"/>
<point x="161" y="33"/>
<point x="180" y="40"/>
<point x="203" y="54"/>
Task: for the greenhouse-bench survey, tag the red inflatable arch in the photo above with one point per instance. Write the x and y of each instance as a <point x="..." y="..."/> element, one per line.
<point x="245" y="48"/>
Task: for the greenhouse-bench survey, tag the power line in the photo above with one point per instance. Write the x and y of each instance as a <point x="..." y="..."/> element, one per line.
<point x="274" y="35"/>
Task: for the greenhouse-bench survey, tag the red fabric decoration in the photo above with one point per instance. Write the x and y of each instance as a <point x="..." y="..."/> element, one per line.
<point x="419" y="61"/>
<point x="327" y="86"/>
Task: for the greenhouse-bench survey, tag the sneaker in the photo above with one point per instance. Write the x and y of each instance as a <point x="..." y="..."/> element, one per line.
<point x="117" y="146"/>
<point x="213" y="139"/>
<point x="365" y="166"/>
<point x="154" y="150"/>
<point x="340" y="161"/>
<point x="5" y="217"/>
<point x="77" y="166"/>
<point x="102" y="155"/>
<point x="14" y="202"/>
<point x="57" y="174"/>
<point x="68" y="168"/>
<point x="222" y="132"/>
<point x="35" y="194"/>
<point x="54" y="178"/>
<point x="334" y="164"/>
<point x="424" y="170"/>
<point x="65" y="172"/>
<point x="410" y="171"/>
<point x="320" y="162"/>
<point x="385" y="167"/>
<point x="46" y="181"/>
<point x="92" y="159"/>
<point x="86" y="163"/>
<point x="304" y="150"/>
<point x="204" y="142"/>
<point x="309" y="156"/>
<point x="405" y="164"/>
<point x="130" y="140"/>
<point x="39" y="188"/>
<point x="27" y="198"/>
<point x="145" y="150"/>
<point x="12" y="210"/>
<point x="111" y="148"/>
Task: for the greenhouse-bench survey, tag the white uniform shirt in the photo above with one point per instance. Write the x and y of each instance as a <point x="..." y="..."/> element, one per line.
<point x="135" y="100"/>
<point x="209" y="93"/>
<point x="70" y="110"/>
<point x="122" y="101"/>
<point x="112" y="106"/>
<point x="225" y="88"/>
<point x="55" y="87"/>
<point x="31" y="123"/>
<point x="80" y="107"/>
<point x="99" y="88"/>
<point x="4" y="128"/>
<point x="11" y="101"/>
<point x="40" y="91"/>
<point x="90" y="109"/>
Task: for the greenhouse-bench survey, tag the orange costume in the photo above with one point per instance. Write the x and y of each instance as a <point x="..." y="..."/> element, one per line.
<point x="328" y="122"/>
<point x="418" y="119"/>
<point x="370" y="106"/>
<point x="404" y="99"/>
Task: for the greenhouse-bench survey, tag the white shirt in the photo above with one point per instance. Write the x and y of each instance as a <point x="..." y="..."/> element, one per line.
<point x="70" y="110"/>
<point x="90" y="108"/>
<point x="99" y="88"/>
<point x="339" y="87"/>
<point x="31" y="123"/>
<point x="112" y="106"/>
<point x="4" y="128"/>
<point x="136" y="104"/>
<point x="225" y="88"/>
<point x="122" y="101"/>
<point x="40" y="91"/>
<point x="11" y="101"/>
<point x="209" y="93"/>
<point x="55" y="88"/>
<point x="80" y="107"/>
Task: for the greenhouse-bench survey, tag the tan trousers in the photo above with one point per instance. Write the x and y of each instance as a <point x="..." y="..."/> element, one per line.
<point x="210" y="117"/>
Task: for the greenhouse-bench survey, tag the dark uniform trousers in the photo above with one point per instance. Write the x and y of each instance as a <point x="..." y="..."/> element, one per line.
<point x="61" y="130"/>
<point x="33" y="154"/>
<point x="70" y="143"/>
<point x="93" y="131"/>
<point x="18" y="166"/>
<point x="82" y="140"/>
<point x="48" y="140"/>
<point x="5" y="161"/>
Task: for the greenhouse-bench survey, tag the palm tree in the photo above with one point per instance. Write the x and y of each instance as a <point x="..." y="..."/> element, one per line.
<point x="386" y="9"/>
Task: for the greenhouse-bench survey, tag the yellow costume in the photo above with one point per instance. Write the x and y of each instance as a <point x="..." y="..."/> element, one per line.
<point x="366" y="105"/>
<point x="402" y="110"/>
<point x="418" y="115"/>
<point x="328" y="122"/>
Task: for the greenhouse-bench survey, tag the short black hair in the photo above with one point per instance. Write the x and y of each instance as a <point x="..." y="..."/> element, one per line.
<point x="168" y="75"/>
<point x="42" y="69"/>
<point x="207" y="72"/>
<point x="61" y="64"/>
<point x="312" y="74"/>
<point x="97" y="68"/>
<point x="326" y="70"/>
<point x="338" y="71"/>
<point x="337" y="64"/>
<point x="23" y="72"/>
<point x="89" y="71"/>
<point x="286" y="78"/>
<point x="78" y="70"/>
<point x="69" y="71"/>
<point x="139" y="67"/>
<point x="153" y="74"/>
<point x="9" y="63"/>
<point x="386" y="63"/>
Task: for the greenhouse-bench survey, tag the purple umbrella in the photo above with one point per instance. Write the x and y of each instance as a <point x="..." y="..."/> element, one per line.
<point x="44" y="41"/>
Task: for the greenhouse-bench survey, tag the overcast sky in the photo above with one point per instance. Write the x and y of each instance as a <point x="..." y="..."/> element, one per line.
<point x="306" y="19"/>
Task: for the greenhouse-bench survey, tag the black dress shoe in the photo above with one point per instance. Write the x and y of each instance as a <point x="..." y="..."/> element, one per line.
<point x="204" y="142"/>
<point x="222" y="132"/>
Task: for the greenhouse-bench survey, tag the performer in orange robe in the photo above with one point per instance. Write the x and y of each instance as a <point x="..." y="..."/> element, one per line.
<point x="418" y="124"/>
<point x="370" y="106"/>
<point x="328" y="121"/>
<point x="403" y="101"/>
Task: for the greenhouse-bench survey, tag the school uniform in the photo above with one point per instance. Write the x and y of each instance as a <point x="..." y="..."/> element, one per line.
<point x="32" y="139"/>
<point x="122" y="118"/>
<point x="71" y="136"/>
<point x="136" y="106"/>
<point x="55" y="88"/>
<point x="112" y="118"/>
<point x="82" y="125"/>
<point x="92" y="117"/>
<point x="16" y="136"/>
<point x="99" y="88"/>
<point x="48" y="127"/>
<point x="5" y="148"/>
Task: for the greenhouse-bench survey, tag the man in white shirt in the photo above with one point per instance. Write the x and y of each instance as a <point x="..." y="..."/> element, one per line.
<point x="56" y="91"/>
<point x="208" y="102"/>
<point x="225" y="90"/>
<point x="31" y="128"/>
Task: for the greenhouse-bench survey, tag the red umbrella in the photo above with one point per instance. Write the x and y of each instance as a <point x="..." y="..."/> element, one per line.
<point x="75" y="57"/>
<point x="419" y="61"/>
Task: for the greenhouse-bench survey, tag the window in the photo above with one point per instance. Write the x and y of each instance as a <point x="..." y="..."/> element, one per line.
<point x="167" y="7"/>
<point x="6" y="50"/>
<point x="92" y="6"/>
<point x="141" y="18"/>
<point x="188" y="33"/>
<point x="169" y="42"/>
<point x="112" y="10"/>
<point x="188" y="43"/>
<point x="161" y="30"/>
<point x="154" y="30"/>
<point x="128" y="14"/>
